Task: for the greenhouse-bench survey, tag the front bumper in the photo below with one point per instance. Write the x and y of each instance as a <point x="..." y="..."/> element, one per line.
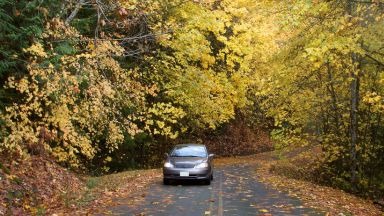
<point x="194" y="173"/>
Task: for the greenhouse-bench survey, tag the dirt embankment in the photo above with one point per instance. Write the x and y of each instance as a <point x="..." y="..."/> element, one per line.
<point x="35" y="185"/>
<point x="39" y="186"/>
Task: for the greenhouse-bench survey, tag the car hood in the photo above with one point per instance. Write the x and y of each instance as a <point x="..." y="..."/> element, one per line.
<point x="187" y="160"/>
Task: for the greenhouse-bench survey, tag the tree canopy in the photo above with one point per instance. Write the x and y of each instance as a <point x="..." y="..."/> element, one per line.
<point x="110" y="84"/>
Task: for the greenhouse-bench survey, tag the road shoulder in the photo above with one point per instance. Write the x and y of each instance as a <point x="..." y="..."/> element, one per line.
<point x="331" y="200"/>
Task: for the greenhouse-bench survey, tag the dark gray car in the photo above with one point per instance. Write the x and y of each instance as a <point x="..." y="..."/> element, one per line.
<point x="188" y="161"/>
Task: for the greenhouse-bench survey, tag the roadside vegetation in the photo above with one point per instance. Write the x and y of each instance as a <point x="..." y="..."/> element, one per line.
<point x="96" y="87"/>
<point x="299" y="173"/>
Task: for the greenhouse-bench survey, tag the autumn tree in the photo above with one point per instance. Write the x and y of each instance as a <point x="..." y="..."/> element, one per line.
<point x="330" y="59"/>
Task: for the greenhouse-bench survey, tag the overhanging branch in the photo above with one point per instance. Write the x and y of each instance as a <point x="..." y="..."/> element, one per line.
<point x="74" y="12"/>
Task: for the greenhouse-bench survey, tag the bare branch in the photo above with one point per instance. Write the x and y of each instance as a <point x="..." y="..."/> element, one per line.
<point x="97" y="24"/>
<point x="123" y="40"/>
<point x="74" y="12"/>
<point x="374" y="59"/>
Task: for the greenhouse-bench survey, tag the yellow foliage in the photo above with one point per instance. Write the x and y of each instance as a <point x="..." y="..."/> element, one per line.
<point x="167" y="118"/>
<point x="37" y="50"/>
<point x="74" y="103"/>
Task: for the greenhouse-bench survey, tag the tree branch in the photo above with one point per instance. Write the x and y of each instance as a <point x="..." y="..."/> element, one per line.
<point x="74" y="12"/>
<point x="374" y="59"/>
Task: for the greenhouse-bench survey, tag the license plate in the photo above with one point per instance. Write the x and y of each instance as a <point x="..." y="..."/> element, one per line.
<point x="184" y="173"/>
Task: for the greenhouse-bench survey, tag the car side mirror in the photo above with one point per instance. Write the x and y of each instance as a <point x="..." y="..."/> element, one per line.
<point x="211" y="155"/>
<point x="166" y="155"/>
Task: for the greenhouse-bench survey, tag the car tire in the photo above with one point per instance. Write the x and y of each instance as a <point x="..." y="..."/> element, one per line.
<point x="207" y="182"/>
<point x="211" y="176"/>
<point x="166" y="181"/>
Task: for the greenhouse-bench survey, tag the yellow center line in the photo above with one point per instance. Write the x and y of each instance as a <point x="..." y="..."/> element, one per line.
<point x="211" y="203"/>
<point x="220" y="208"/>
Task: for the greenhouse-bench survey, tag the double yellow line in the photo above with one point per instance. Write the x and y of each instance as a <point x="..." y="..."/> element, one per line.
<point x="220" y="194"/>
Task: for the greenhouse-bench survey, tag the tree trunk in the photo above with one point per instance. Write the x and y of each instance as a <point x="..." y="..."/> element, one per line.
<point x="332" y="92"/>
<point x="354" y="91"/>
<point x="354" y="87"/>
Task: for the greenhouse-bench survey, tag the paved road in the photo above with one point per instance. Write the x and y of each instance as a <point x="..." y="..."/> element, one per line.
<point x="229" y="194"/>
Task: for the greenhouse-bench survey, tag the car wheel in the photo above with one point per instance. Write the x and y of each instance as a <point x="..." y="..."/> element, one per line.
<point x="212" y="177"/>
<point x="166" y="181"/>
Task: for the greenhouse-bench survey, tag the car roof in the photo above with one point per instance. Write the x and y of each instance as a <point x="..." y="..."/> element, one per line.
<point x="189" y="144"/>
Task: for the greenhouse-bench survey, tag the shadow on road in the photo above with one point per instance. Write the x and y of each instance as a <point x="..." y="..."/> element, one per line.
<point x="187" y="182"/>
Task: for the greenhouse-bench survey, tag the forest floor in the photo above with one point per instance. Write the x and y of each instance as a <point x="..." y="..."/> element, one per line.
<point x="39" y="186"/>
<point x="47" y="188"/>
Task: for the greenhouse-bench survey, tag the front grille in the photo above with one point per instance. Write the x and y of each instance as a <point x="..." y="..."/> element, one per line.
<point x="184" y="165"/>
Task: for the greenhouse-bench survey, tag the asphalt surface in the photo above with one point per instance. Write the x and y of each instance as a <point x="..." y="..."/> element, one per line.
<point x="234" y="191"/>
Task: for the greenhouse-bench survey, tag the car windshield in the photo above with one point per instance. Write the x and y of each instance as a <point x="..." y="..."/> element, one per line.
<point x="189" y="151"/>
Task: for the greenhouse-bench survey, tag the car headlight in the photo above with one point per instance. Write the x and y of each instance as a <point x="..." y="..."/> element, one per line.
<point x="168" y="165"/>
<point x="202" y="165"/>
